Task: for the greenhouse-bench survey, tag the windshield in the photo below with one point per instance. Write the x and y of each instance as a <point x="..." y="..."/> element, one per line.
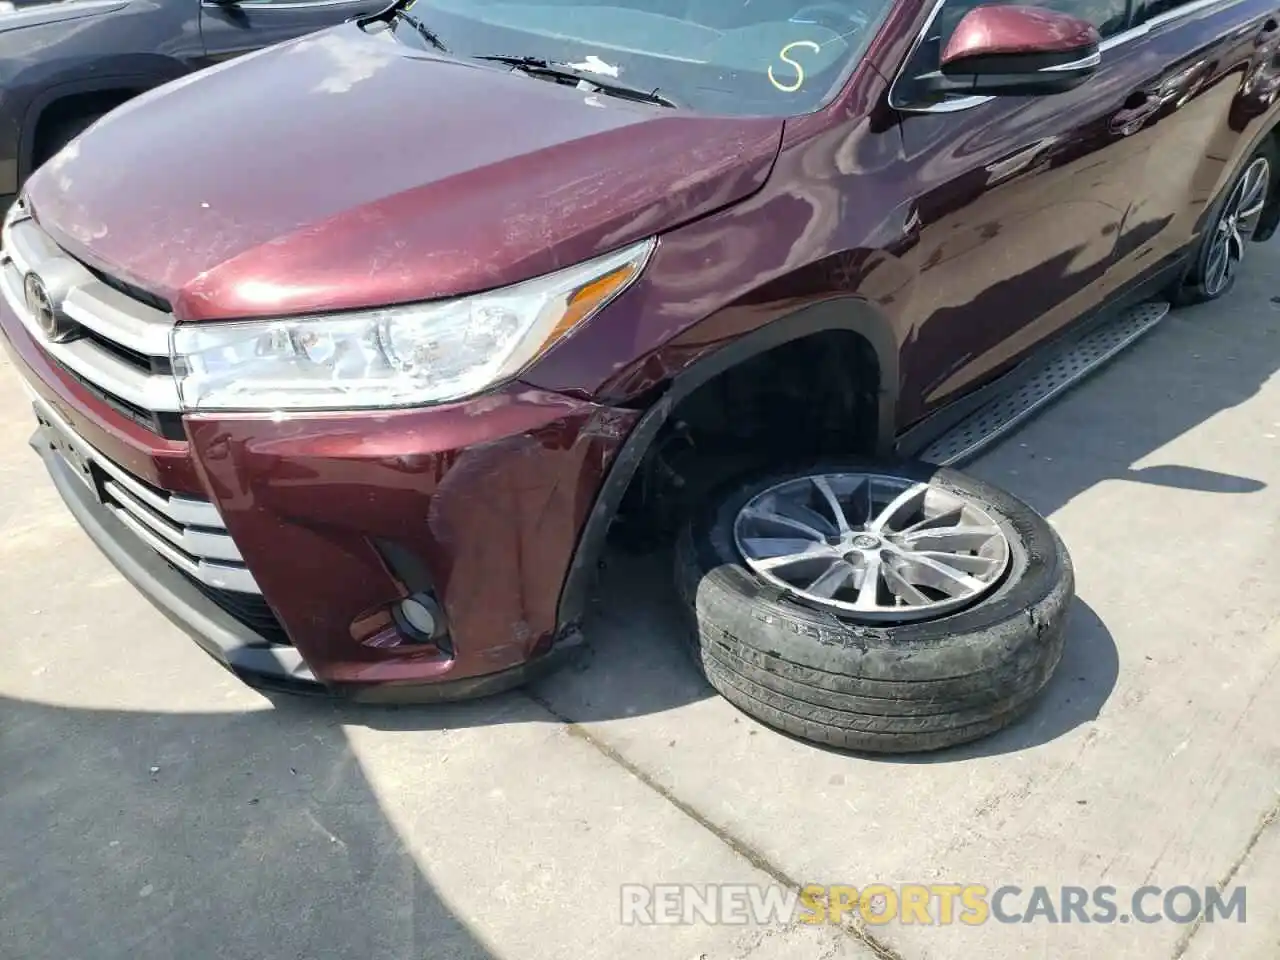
<point x="773" y="57"/>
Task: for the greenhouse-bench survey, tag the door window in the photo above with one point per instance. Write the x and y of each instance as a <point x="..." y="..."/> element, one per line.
<point x="1150" y="9"/>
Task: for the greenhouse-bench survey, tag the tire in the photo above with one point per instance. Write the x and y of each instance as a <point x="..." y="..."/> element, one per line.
<point x="877" y="687"/>
<point x="60" y="133"/>
<point x="1200" y="285"/>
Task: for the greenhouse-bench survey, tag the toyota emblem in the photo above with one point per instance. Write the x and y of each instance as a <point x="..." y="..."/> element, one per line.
<point x="44" y="312"/>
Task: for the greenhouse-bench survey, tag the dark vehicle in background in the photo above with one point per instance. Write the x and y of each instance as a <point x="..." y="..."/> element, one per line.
<point x="350" y="353"/>
<point x="64" y="64"/>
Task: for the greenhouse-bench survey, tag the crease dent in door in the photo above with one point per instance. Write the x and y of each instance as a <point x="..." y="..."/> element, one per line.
<point x="1018" y="161"/>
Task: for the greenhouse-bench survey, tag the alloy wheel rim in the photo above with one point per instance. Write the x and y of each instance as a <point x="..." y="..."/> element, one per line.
<point x="1236" y="224"/>
<point x="872" y="547"/>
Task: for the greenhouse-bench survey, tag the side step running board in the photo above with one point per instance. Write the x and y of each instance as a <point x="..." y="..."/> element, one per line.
<point x="1064" y="369"/>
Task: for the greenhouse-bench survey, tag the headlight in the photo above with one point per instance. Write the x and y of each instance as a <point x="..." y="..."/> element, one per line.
<point x="397" y="356"/>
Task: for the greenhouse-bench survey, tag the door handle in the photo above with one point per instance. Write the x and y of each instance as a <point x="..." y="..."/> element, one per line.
<point x="1140" y="107"/>
<point x="1269" y="28"/>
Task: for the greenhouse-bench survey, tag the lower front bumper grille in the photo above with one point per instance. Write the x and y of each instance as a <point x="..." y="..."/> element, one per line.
<point x="252" y="655"/>
<point x="252" y="611"/>
<point x="187" y="532"/>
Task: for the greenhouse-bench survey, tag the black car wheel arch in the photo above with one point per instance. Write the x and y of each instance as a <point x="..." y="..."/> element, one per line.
<point x="1197" y="285"/>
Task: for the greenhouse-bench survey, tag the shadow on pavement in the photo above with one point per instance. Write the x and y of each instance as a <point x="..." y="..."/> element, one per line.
<point x="623" y="677"/>
<point x="201" y="835"/>
<point x="1199" y="362"/>
<point x="1192" y="478"/>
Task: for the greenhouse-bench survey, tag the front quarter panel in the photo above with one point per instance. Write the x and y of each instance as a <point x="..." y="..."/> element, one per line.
<point x="820" y="248"/>
<point x="827" y="225"/>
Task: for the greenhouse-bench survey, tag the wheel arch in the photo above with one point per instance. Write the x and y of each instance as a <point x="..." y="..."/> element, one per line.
<point x="844" y="315"/>
<point x="77" y="96"/>
<point x="1270" y="219"/>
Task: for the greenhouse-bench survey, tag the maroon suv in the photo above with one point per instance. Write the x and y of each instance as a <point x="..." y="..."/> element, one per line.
<point x="348" y="352"/>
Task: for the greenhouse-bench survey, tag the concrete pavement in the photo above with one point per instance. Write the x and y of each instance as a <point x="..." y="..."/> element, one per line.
<point x="150" y="806"/>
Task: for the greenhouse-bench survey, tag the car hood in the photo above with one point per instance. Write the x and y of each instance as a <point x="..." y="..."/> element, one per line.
<point x="345" y="170"/>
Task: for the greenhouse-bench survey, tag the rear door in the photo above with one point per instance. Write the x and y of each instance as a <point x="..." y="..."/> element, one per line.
<point x="232" y="28"/>
<point x="1192" y="113"/>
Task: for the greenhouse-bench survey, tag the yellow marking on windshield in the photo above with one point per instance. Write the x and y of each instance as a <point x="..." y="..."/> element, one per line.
<point x="782" y="55"/>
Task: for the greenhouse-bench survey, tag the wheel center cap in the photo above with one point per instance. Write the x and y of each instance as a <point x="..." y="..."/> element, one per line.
<point x="865" y="541"/>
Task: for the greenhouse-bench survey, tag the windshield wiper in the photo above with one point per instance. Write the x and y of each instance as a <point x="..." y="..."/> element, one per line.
<point x="425" y="32"/>
<point x="557" y="70"/>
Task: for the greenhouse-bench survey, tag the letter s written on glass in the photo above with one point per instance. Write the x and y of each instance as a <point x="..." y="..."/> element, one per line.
<point x="796" y="84"/>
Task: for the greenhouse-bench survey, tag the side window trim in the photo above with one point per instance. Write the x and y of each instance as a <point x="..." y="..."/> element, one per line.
<point x="968" y="103"/>
<point x="279" y="4"/>
<point x="946" y="106"/>
<point x="1177" y="13"/>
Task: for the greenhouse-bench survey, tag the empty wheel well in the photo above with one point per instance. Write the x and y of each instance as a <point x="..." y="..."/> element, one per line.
<point x="69" y="115"/>
<point x="1270" y="218"/>
<point x="814" y="396"/>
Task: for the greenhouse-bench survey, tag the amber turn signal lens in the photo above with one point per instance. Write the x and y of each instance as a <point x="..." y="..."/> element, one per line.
<point x="589" y="298"/>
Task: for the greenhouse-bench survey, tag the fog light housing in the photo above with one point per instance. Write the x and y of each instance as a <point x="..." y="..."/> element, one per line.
<point x="420" y="618"/>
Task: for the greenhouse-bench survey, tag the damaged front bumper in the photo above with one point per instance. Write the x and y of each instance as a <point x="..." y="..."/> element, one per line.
<point x="334" y="519"/>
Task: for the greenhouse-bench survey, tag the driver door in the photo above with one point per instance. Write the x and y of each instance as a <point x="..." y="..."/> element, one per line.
<point x="232" y="28"/>
<point x="1020" y="201"/>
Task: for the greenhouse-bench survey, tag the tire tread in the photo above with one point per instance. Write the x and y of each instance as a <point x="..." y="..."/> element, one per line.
<point x="896" y="689"/>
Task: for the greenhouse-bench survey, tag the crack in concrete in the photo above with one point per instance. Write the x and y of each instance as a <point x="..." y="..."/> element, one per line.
<point x="746" y="851"/>
<point x="1266" y="820"/>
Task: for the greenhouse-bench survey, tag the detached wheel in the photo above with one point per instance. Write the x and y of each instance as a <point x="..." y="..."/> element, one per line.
<point x="1231" y="226"/>
<point x="875" y="607"/>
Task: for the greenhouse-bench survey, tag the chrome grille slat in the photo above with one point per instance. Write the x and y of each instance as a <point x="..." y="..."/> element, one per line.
<point x="113" y="317"/>
<point x="198" y="543"/>
<point x="187" y="532"/>
<point x="183" y="511"/>
<point x="220" y="575"/>
<point x="114" y="375"/>
<point x="25" y="246"/>
<point x="118" y="357"/>
<point x="98" y="366"/>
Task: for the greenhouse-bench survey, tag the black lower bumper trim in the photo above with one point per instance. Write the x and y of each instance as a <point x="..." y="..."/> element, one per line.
<point x="222" y="636"/>
<point x="567" y="646"/>
<point x="251" y="656"/>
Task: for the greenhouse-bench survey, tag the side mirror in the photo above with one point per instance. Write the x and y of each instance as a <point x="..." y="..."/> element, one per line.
<point x="1016" y="51"/>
